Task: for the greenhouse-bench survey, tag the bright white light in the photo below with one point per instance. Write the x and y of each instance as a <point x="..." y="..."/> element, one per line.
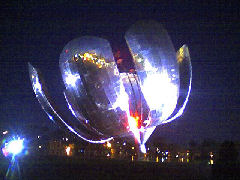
<point x="71" y="79"/>
<point x="4" y="132"/>
<point x="148" y="66"/>
<point x="50" y="117"/>
<point x="143" y="148"/>
<point x="15" y="146"/>
<point x="39" y="147"/>
<point x="68" y="149"/>
<point x="122" y="100"/>
<point x="109" y="145"/>
<point x="160" y="92"/>
<point x="133" y="127"/>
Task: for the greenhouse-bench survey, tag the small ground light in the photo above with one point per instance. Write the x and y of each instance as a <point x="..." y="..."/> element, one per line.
<point x="68" y="149"/>
<point x="109" y="145"/>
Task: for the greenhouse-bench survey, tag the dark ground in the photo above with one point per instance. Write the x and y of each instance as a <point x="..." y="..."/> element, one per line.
<point x="69" y="168"/>
<point x="51" y="167"/>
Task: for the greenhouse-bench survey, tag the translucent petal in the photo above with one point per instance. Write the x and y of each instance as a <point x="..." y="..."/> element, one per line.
<point x="41" y="94"/>
<point x="156" y="66"/>
<point x="93" y="84"/>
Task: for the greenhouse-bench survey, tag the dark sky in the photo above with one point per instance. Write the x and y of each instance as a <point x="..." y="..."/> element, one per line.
<point x="37" y="33"/>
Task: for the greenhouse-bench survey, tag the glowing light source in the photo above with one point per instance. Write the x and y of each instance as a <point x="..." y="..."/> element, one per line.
<point x="13" y="147"/>
<point x="68" y="149"/>
<point x="4" y="132"/>
<point x="162" y="94"/>
<point x="211" y="154"/>
<point x="109" y="145"/>
<point x="143" y="148"/>
<point x="71" y="79"/>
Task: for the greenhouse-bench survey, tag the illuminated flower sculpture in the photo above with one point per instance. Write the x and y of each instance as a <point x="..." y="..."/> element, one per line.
<point x="108" y="104"/>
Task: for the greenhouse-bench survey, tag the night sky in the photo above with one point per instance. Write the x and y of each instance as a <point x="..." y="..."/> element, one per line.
<point x="37" y="33"/>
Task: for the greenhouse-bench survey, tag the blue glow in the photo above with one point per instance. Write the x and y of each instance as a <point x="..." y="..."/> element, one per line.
<point x="13" y="147"/>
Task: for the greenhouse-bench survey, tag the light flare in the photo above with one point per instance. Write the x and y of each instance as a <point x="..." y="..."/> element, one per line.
<point x="13" y="147"/>
<point x="71" y="79"/>
<point x="160" y="93"/>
